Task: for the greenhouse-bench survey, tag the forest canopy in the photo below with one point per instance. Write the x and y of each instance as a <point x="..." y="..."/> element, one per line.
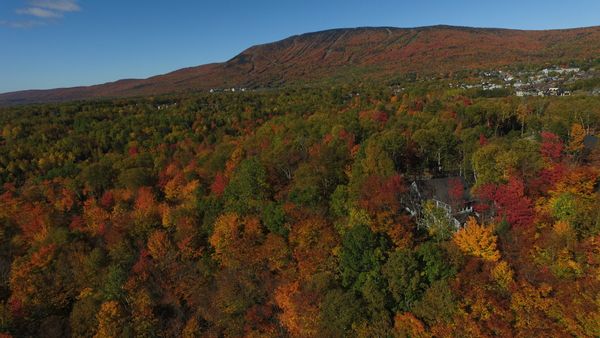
<point x="306" y="212"/>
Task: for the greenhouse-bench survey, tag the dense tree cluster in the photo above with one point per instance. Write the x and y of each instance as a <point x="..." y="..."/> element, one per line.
<point x="286" y="213"/>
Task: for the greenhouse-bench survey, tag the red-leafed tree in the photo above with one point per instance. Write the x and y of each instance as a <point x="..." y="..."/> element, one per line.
<point x="456" y="190"/>
<point x="508" y="201"/>
<point x="482" y="140"/>
<point x="219" y="184"/>
<point x="382" y="193"/>
<point x="552" y="147"/>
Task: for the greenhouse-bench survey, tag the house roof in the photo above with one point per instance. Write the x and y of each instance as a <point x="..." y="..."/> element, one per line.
<point x="439" y="188"/>
<point x="590" y="142"/>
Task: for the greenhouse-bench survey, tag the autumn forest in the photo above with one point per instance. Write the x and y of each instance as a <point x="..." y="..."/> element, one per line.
<point x="363" y="210"/>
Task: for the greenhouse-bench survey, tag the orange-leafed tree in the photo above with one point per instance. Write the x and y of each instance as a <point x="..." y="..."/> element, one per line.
<point x="312" y="241"/>
<point x="111" y="320"/>
<point x="300" y="312"/>
<point x="407" y="325"/>
<point x="236" y="240"/>
<point x="534" y="310"/>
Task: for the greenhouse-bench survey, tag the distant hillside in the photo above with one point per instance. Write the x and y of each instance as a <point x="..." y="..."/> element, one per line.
<point x="342" y="53"/>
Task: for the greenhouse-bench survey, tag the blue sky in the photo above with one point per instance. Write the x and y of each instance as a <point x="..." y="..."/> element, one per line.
<point x="59" y="43"/>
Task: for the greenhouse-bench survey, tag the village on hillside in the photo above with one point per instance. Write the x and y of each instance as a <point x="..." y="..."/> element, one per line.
<point x="551" y="81"/>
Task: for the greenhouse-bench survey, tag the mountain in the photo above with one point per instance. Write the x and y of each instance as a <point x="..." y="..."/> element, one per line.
<point x="347" y="53"/>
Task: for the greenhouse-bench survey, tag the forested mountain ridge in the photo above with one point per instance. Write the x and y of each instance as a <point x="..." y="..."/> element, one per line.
<point x="356" y="53"/>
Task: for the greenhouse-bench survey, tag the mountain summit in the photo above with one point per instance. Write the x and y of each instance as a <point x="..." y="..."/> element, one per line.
<point x="351" y="53"/>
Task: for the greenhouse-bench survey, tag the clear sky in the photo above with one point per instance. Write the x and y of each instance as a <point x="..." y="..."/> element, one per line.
<point x="58" y="43"/>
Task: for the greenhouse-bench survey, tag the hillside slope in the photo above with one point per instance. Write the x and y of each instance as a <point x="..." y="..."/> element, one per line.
<point x="343" y="53"/>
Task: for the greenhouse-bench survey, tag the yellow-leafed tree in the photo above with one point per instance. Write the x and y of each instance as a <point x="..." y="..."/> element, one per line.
<point x="503" y="274"/>
<point x="577" y="135"/>
<point x="477" y="240"/>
